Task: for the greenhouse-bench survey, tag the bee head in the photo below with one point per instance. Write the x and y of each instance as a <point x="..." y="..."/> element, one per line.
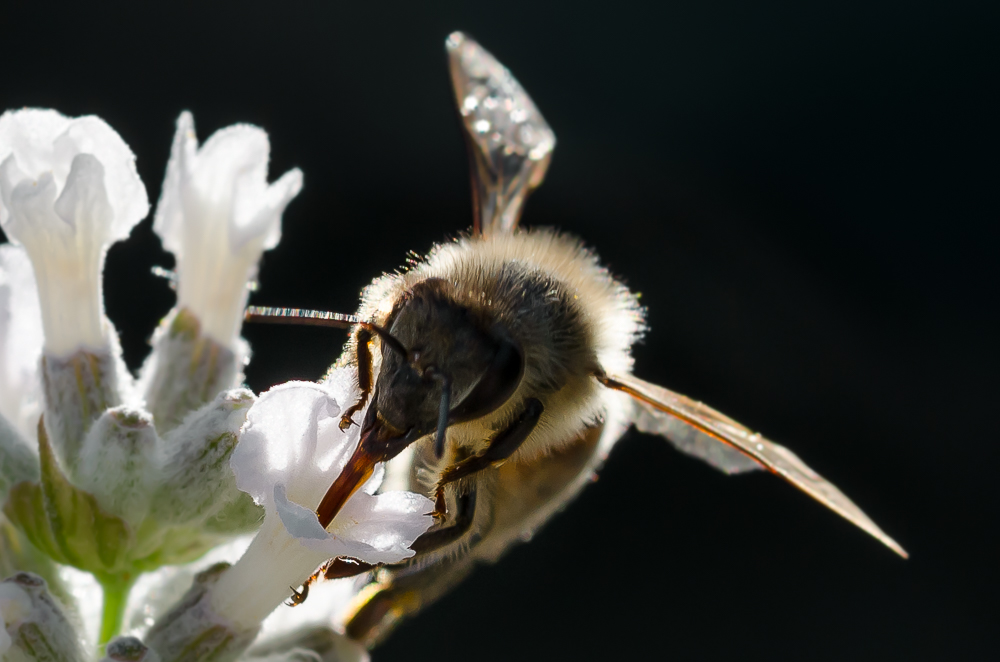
<point x="456" y="355"/>
<point x="436" y="351"/>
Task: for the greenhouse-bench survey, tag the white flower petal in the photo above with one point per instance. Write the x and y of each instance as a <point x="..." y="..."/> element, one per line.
<point x="281" y="442"/>
<point x="32" y="209"/>
<point x="20" y="341"/>
<point x="250" y="590"/>
<point x="169" y="217"/>
<point x="126" y="192"/>
<point x="257" y="210"/>
<point x="84" y="197"/>
<point x="291" y="451"/>
<point x="68" y="189"/>
<point x="43" y="140"/>
<point x="229" y="157"/>
<point x="30" y="136"/>
<point x="217" y="215"/>
<point x="388" y="523"/>
<point x="299" y="521"/>
<point x="10" y="176"/>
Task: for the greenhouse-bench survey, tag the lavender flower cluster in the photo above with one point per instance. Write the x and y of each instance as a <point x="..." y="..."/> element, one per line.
<point x="112" y="485"/>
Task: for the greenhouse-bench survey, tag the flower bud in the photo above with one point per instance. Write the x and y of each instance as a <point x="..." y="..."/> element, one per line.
<point x="119" y="462"/>
<point x="187" y="369"/>
<point x="65" y="522"/>
<point x="128" y="649"/>
<point x="196" y="479"/>
<point x="121" y="518"/>
<point x="35" y="628"/>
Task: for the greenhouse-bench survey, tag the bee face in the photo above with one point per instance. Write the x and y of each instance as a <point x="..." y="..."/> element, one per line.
<point x="453" y="347"/>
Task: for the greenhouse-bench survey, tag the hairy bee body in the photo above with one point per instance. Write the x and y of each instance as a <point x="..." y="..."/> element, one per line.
<point x="569" y="316"/>
<point x="571" y="319"/>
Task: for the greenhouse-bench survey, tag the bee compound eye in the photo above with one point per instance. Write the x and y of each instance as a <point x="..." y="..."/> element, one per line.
<point x="497" y="384"/>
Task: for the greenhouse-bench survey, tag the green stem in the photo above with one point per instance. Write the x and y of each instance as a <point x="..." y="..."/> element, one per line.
<point x="116" y="590"/>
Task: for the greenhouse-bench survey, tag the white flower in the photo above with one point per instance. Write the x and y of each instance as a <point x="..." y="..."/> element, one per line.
<point x="290" y="453"/>
<point x="20" y="341"/>
<point x="217" y="215"/>
<point x="68" y="189"/>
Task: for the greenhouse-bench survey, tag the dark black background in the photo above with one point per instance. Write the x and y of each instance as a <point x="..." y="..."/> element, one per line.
<point x="804" y="193"/>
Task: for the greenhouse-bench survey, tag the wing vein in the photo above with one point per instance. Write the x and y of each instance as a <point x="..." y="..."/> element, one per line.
<point x="775" y="458"/>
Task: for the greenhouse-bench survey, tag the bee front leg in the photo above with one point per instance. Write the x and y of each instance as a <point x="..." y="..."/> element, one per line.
<point x="465" y="513"/>
<point x="365" y="376"/>
<point x="338" y="568"/>
<point x="299" y="595"/>
<point x="501" y="447"/>
<point x="346" y="566"/>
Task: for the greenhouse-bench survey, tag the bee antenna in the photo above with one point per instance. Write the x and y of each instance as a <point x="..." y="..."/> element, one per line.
<point x="304" y="317"/>
<point x="444" y="410"/>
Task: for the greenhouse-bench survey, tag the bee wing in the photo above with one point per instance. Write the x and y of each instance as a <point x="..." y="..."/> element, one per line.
<point x="510" y="143"/>
<point x="691" y="441"/>
<point x="664" y="412"/>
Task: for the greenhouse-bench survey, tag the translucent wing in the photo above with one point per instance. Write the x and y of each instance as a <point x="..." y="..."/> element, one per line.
<point x="510" y="144"/>
<point x="689" y="440"/>
<point x="659" y="408"/>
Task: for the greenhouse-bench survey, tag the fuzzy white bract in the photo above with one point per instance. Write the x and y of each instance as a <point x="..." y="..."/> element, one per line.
<point x="68" y="189"/>
<point x="217" y="215"/>
<point x="290" y="453"/>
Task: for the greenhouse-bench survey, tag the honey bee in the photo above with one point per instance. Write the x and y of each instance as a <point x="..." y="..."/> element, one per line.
<point x="495" y="373"/>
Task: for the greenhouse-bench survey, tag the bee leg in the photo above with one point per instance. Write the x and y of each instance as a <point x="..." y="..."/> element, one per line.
<point x="299" y="596"/>
<point x="338" y="568"/>
<point x="365" y="376"/>
<point x="465" y="512"/>
<point x="345" y="566"/>
<point x="501" y="447"/>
